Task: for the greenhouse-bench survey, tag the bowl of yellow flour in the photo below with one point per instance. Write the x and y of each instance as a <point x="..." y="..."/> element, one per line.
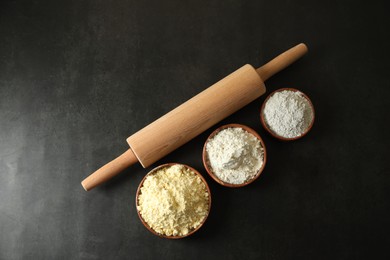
<point x="173" y="201"/>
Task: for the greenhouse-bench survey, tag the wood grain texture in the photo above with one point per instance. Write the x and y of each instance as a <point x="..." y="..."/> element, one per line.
<point x="282" y="61"/>
<point x="196" y="115"/>
<point x="109" y="170"/>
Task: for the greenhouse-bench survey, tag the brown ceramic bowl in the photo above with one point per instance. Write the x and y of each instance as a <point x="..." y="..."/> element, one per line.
<point x="139" y="191"/>
<point x="206" y="160"/>
<point x="262" y="119"/>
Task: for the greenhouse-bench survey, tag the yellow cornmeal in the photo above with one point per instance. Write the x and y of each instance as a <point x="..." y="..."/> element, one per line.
<point x="173" y="201"/>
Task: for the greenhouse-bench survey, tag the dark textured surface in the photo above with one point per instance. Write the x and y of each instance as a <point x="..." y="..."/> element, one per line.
<point x="78" y="77"/>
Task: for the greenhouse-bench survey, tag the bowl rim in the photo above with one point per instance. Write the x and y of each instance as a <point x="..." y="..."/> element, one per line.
<point x="208" y="168"/>
<point x="265" y="126"/>
<point x="139" y="192"/>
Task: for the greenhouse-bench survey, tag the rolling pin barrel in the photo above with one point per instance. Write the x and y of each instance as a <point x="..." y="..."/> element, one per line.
<point x="195" y="116"/>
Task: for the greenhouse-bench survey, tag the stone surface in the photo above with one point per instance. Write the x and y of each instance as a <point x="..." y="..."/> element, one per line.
<point x="78" y="77"/>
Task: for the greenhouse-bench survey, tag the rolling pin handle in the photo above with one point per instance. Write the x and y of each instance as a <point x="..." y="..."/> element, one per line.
<point x="109" y="170"/>
<point x="282" y="61"/>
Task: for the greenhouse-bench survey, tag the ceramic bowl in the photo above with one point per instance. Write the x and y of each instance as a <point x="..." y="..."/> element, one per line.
<point x="210" y="170"/>
<point x="139" y="191"/>
<point x="262" y="119"/>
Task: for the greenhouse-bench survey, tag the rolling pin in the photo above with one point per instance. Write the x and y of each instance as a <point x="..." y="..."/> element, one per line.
<point x="196" y="115"/>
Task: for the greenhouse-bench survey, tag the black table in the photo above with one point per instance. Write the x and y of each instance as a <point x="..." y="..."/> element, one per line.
<point x="78" y="77"/>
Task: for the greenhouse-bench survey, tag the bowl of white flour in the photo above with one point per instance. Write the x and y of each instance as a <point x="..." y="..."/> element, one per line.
<point x="234" y="155"/>
<point x="287" y="114"/>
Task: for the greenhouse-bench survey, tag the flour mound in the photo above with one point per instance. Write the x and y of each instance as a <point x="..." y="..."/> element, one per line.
<point x="234" y="155"/>
<point x="173" y="201"/>
<point x="288" y="113"/>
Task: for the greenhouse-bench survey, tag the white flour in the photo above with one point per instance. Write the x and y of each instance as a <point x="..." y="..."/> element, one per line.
<point x="235" y="155"/>
<point x="288" y="113"/>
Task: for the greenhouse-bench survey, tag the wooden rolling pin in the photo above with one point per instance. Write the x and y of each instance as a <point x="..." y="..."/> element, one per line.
<point x="194" y="116"/>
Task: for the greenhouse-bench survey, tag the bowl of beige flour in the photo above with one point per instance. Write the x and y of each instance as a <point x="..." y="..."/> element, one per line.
<point x="234" y="155"/>
<point x="173" y="201"/>
<point x="287" y="114"/>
